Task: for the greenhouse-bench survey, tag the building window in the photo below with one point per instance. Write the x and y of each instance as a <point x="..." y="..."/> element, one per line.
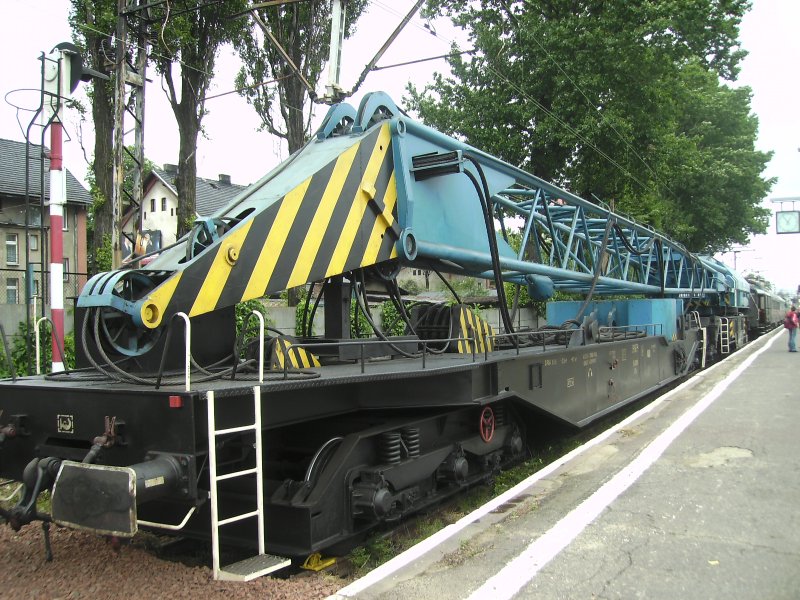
<point x="171" y="212"/>
<point x="66" y="269"/>
<point x="35" y="287"/>
<point x="164" y="204"/>
<point x="144" y="217"/>
<point x="33" y="241"/>
<point x="12" y="249"/>
<point x="12" y="290"/>
<point x="65" y="222"/>
<point x="152" y="205"/>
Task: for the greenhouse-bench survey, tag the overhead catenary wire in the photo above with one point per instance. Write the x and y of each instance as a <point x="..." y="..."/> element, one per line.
<point x="422" y="60"/>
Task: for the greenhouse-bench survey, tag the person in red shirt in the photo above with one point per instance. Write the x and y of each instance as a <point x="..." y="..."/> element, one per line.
<point x="791" y="323"/>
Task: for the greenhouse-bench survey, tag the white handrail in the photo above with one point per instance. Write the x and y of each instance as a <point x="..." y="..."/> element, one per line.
<point x="259" y="467"/>
<point x="260" y="345"/>
<point x="188" y="347"/>
<point x="38" y="351"/>
<point x="177" y="527"/>
<point x="212" y="469"/>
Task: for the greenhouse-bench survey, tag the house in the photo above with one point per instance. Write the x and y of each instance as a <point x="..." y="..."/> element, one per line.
<point x="15" y="255"/>
<point x="159" y="215"/>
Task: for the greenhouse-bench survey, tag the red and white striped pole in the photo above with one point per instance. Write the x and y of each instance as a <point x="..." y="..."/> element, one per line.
<point x="62" y="69"/>
<point x="58" y="195"/>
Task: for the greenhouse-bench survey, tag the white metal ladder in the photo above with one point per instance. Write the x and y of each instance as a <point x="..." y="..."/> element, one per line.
<point x="724" y="336"/>
<point x="695" y="316"/>
<point x="262" y="563"/>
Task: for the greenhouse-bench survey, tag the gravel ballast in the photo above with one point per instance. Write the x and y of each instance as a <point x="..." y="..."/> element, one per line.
<point x="87" y="566"/>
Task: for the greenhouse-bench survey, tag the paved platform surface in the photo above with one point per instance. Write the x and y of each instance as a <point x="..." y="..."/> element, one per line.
<point x="696" y="496"/>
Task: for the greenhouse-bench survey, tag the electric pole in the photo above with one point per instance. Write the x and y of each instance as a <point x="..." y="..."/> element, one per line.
<point x="128" y="75"/>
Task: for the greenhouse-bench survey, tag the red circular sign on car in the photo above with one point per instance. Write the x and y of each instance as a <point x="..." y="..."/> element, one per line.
<point x="486" y="426"/>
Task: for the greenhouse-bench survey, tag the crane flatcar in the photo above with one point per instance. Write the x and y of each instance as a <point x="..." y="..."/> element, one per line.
<point x="294" y="444"/>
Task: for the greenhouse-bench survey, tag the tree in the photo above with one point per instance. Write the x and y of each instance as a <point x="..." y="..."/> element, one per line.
<point x="191" y="38"/>
<point x="609" y="99"/>
<point x="303" y="30"/>
<point x="90" y="20"/>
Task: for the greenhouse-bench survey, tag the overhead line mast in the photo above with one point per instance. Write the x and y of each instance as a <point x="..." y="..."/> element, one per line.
<point x="133" y="75"/>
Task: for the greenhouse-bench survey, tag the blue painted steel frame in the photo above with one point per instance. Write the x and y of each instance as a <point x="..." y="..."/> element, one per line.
<point x="563" y="234"/>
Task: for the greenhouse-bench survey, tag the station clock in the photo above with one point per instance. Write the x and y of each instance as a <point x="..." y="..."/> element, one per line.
<point x="787" y="221"/>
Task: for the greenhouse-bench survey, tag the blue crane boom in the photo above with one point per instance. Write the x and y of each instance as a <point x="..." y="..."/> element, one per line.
<point x="374" y="187"/>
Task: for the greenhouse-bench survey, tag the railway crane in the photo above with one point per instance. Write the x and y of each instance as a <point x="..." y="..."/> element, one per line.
<point x="293" y="444"/>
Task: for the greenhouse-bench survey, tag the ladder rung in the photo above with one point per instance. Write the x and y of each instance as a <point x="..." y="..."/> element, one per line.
<point x="241" y="517"/>
<point x="235" y="429"/>
<point x="236" y="474"/>
<point x="253" y="567"/>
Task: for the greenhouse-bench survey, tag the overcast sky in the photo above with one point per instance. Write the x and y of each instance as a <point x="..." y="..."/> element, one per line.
<point x="233" y="144"/>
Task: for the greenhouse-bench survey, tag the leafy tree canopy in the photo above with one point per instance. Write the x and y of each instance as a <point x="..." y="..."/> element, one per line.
<point x="303" y="30"/>
<point x="189" y="40"/>
<point x="621" y="100"/>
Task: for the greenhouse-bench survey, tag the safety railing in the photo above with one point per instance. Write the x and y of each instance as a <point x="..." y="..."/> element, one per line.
<point x="187" y="333"/>
<point x="425" y="347"/>
<point x="59" y="344"/>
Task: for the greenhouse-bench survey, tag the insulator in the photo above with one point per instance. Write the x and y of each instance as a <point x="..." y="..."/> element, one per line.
<point x="391" y="448"/>
<point x="411" y="440"/>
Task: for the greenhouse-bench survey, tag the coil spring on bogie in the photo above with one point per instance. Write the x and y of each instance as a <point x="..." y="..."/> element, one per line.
<point x="411" y="440"/>
<point x="390" y="449"/>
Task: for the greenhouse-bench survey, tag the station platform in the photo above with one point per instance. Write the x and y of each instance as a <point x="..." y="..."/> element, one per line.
<point x="697" y="495"/>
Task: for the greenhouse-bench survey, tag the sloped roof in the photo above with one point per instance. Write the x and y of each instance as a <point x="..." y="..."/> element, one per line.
<point x="12" y="173"/>
<point x="210" y="194"/>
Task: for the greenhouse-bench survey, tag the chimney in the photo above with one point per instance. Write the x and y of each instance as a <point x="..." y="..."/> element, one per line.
<point x="170" y="169"/>
<point x="223" y="178"/>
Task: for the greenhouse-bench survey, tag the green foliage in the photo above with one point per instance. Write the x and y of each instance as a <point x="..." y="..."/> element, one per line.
<point x="524" y="299"/>
<point x="374" y="553"/>
<point x="243" y="312"/>
<point x="299" y="311"/>
<point x="19" y="354"/>
<point x="102" y="256"/>
<point x="621" y="100"/>
<point x="359" y="326"/>
<point x="467" y="287"/>
<point x="410" y="286"/>
<point x="391" y="323"/>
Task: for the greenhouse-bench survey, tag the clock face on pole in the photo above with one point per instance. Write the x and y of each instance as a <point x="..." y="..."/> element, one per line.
<point x="787" y="221"/>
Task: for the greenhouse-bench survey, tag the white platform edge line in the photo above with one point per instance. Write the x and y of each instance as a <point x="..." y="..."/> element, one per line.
<point x="409" y="556"/>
